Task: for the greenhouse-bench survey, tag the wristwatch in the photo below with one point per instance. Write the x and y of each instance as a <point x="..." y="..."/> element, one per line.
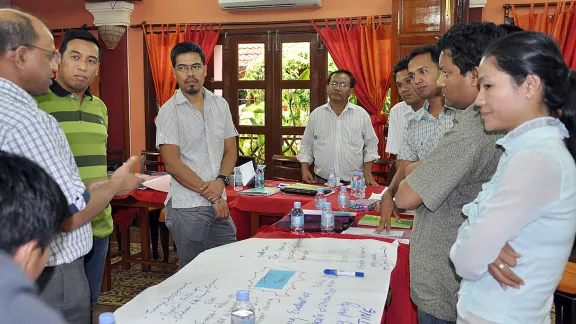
<point x="224" y="179"/>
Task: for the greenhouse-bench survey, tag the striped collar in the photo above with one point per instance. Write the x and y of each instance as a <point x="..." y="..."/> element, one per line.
<point x="61" y="92"/>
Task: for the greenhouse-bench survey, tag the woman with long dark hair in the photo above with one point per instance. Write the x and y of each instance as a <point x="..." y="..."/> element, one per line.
<point x="530" y="203"/>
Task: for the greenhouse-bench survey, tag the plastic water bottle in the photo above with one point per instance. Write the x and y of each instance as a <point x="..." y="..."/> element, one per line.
<point x="259" y="178"/>
<point x="332" y="181"/>
<point x="361" y="186"/>
<point x="320" y="199"/>
<point x="327" y="219"/>
<point x="243" y="310"/>
<point x="343" y="199"/>
<point x="354" y="184"/>
<point x="238" y="183"/>
<point x="106" y="318"/>
<point x="297" y="219"/>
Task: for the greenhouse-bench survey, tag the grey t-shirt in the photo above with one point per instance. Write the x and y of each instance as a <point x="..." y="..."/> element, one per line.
<point x="19" y="302"/>
<point x="450" y="177"/>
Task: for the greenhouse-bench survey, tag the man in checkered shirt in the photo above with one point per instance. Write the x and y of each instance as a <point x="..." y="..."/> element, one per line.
<point x="28" y="60"/>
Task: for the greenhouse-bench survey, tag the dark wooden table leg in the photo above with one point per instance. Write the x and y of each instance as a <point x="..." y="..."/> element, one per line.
<point x="165" y="241"/>
<point x="154" y="216"/>
<point x="254" y="223"/>
<point x="125" y="249"/>
<point x="144" y="215"/>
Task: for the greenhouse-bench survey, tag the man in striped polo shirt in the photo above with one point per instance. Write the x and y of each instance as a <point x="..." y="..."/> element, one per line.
<point x="84" y="119"/>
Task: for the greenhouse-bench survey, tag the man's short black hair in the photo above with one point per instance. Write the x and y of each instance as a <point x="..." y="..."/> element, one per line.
<point x="16" y="31"/>
<point x="428" y="49"/>
<point x="186" y="47"/>
<point x="466" y="43"/>
<point x="342" y="71"/>
<point x="32" y="206"/>
<point x="82" y="34"/>
<point x="401" y="65"/>
<point x="510" y="28"/>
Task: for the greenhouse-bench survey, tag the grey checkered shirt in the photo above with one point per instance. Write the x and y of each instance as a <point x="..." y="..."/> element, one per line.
<point x="200" y="139"/>
<point x="27" y="131"/>
<point x="424" y="131"/>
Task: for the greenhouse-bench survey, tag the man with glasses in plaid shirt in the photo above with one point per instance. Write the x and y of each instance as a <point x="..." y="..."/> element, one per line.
<point x="28" y="61"/>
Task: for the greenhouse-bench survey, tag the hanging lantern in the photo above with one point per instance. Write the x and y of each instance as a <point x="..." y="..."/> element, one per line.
<point x="111" y="35"/>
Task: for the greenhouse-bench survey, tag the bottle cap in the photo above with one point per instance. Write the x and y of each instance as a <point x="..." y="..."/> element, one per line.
<point x="343" y="188"/>
<point x="320" y="190"/>
<point x="243" y="295"/>
<point x="106" y="318"/>
<point x="331" y="169"/>
<point x="297" y="204"/>
<point x="260" y="166"/>
<point x="236" y="168"/>
<point x="327" y="204"/>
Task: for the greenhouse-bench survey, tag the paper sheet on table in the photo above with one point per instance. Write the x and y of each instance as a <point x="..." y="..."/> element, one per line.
<point x="370" y="232"/>
<point x="378" y="196"/>
<point x="248" y="172"/>
<point x="160" y="183"/>
<point x="286" y="281"/>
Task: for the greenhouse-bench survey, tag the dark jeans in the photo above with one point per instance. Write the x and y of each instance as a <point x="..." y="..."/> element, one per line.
<point x="94" y="264"/>
<point x="425" y="318"/>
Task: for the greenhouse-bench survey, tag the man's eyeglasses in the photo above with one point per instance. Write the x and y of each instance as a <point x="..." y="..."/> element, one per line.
<point x="342" y="85"/>
<point x="52" y="55"/>
<point x="185" y="68"/>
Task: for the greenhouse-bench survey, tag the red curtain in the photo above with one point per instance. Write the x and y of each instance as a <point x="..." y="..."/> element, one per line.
<point x="159" y="45"/>
<point x="364" y="50"/>
<point x="203" y="35"/>
<point x="561" y="25"/>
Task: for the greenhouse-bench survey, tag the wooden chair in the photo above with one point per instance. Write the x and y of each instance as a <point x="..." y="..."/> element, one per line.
<point x="384" y="170"/>
<point x="151" y="162"/>
<point x="286" y="168"/>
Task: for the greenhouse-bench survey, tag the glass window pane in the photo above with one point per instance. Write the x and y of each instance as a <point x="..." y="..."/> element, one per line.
<point x="217" y="59"/>
<point x="291" y="145"/>
<point x="331" y="65"/>
<point x="252" y="145"/>
<point x="251" y="107"/>
<point x="296" y="61"/>
<point x="251" y="62"/>
<point x="219" y="92"/>
<point x="295" y="107"/>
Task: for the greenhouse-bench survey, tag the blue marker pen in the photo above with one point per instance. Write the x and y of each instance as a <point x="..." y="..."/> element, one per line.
<point x="343" y="273"/>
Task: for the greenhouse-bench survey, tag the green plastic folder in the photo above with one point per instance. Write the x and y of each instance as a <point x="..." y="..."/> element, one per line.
<point x="372" y="220"/>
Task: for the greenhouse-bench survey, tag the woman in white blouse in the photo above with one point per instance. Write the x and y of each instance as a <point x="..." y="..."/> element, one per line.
<point x="530" y="203"/>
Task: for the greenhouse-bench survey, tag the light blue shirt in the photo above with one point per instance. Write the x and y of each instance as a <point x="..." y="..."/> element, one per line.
<point x="530" y="203"/>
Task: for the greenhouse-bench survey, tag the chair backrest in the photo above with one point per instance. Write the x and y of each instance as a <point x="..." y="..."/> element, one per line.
<point x="286" y="168"/>
<point x="383" y="171"/>
<point x="151" y="162"/>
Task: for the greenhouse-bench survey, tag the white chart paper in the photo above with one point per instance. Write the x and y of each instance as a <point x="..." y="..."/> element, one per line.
<point x="286" y="282"/>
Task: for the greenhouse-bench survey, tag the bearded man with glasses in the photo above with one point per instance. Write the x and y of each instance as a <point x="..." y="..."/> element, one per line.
<point x="339" y="135"/>
<point x="197" y="140"/>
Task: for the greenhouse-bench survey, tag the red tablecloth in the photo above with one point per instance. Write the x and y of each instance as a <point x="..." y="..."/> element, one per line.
<point x="240" y="206"/>
<point x="401" y="309"/>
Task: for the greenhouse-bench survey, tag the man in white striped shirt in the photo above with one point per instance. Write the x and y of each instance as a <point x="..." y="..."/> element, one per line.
<point x="401" y="112"/>
<point x="28" y="60"/>
<point x="338" y="135"/>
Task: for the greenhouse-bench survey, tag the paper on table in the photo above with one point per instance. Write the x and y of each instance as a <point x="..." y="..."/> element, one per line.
<point x="378" y="196"/>
<point x="286" y="281"/>
<point x="248" y="172"/>
<point x="159" y="183"/>
<point x="370" y="232"/>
